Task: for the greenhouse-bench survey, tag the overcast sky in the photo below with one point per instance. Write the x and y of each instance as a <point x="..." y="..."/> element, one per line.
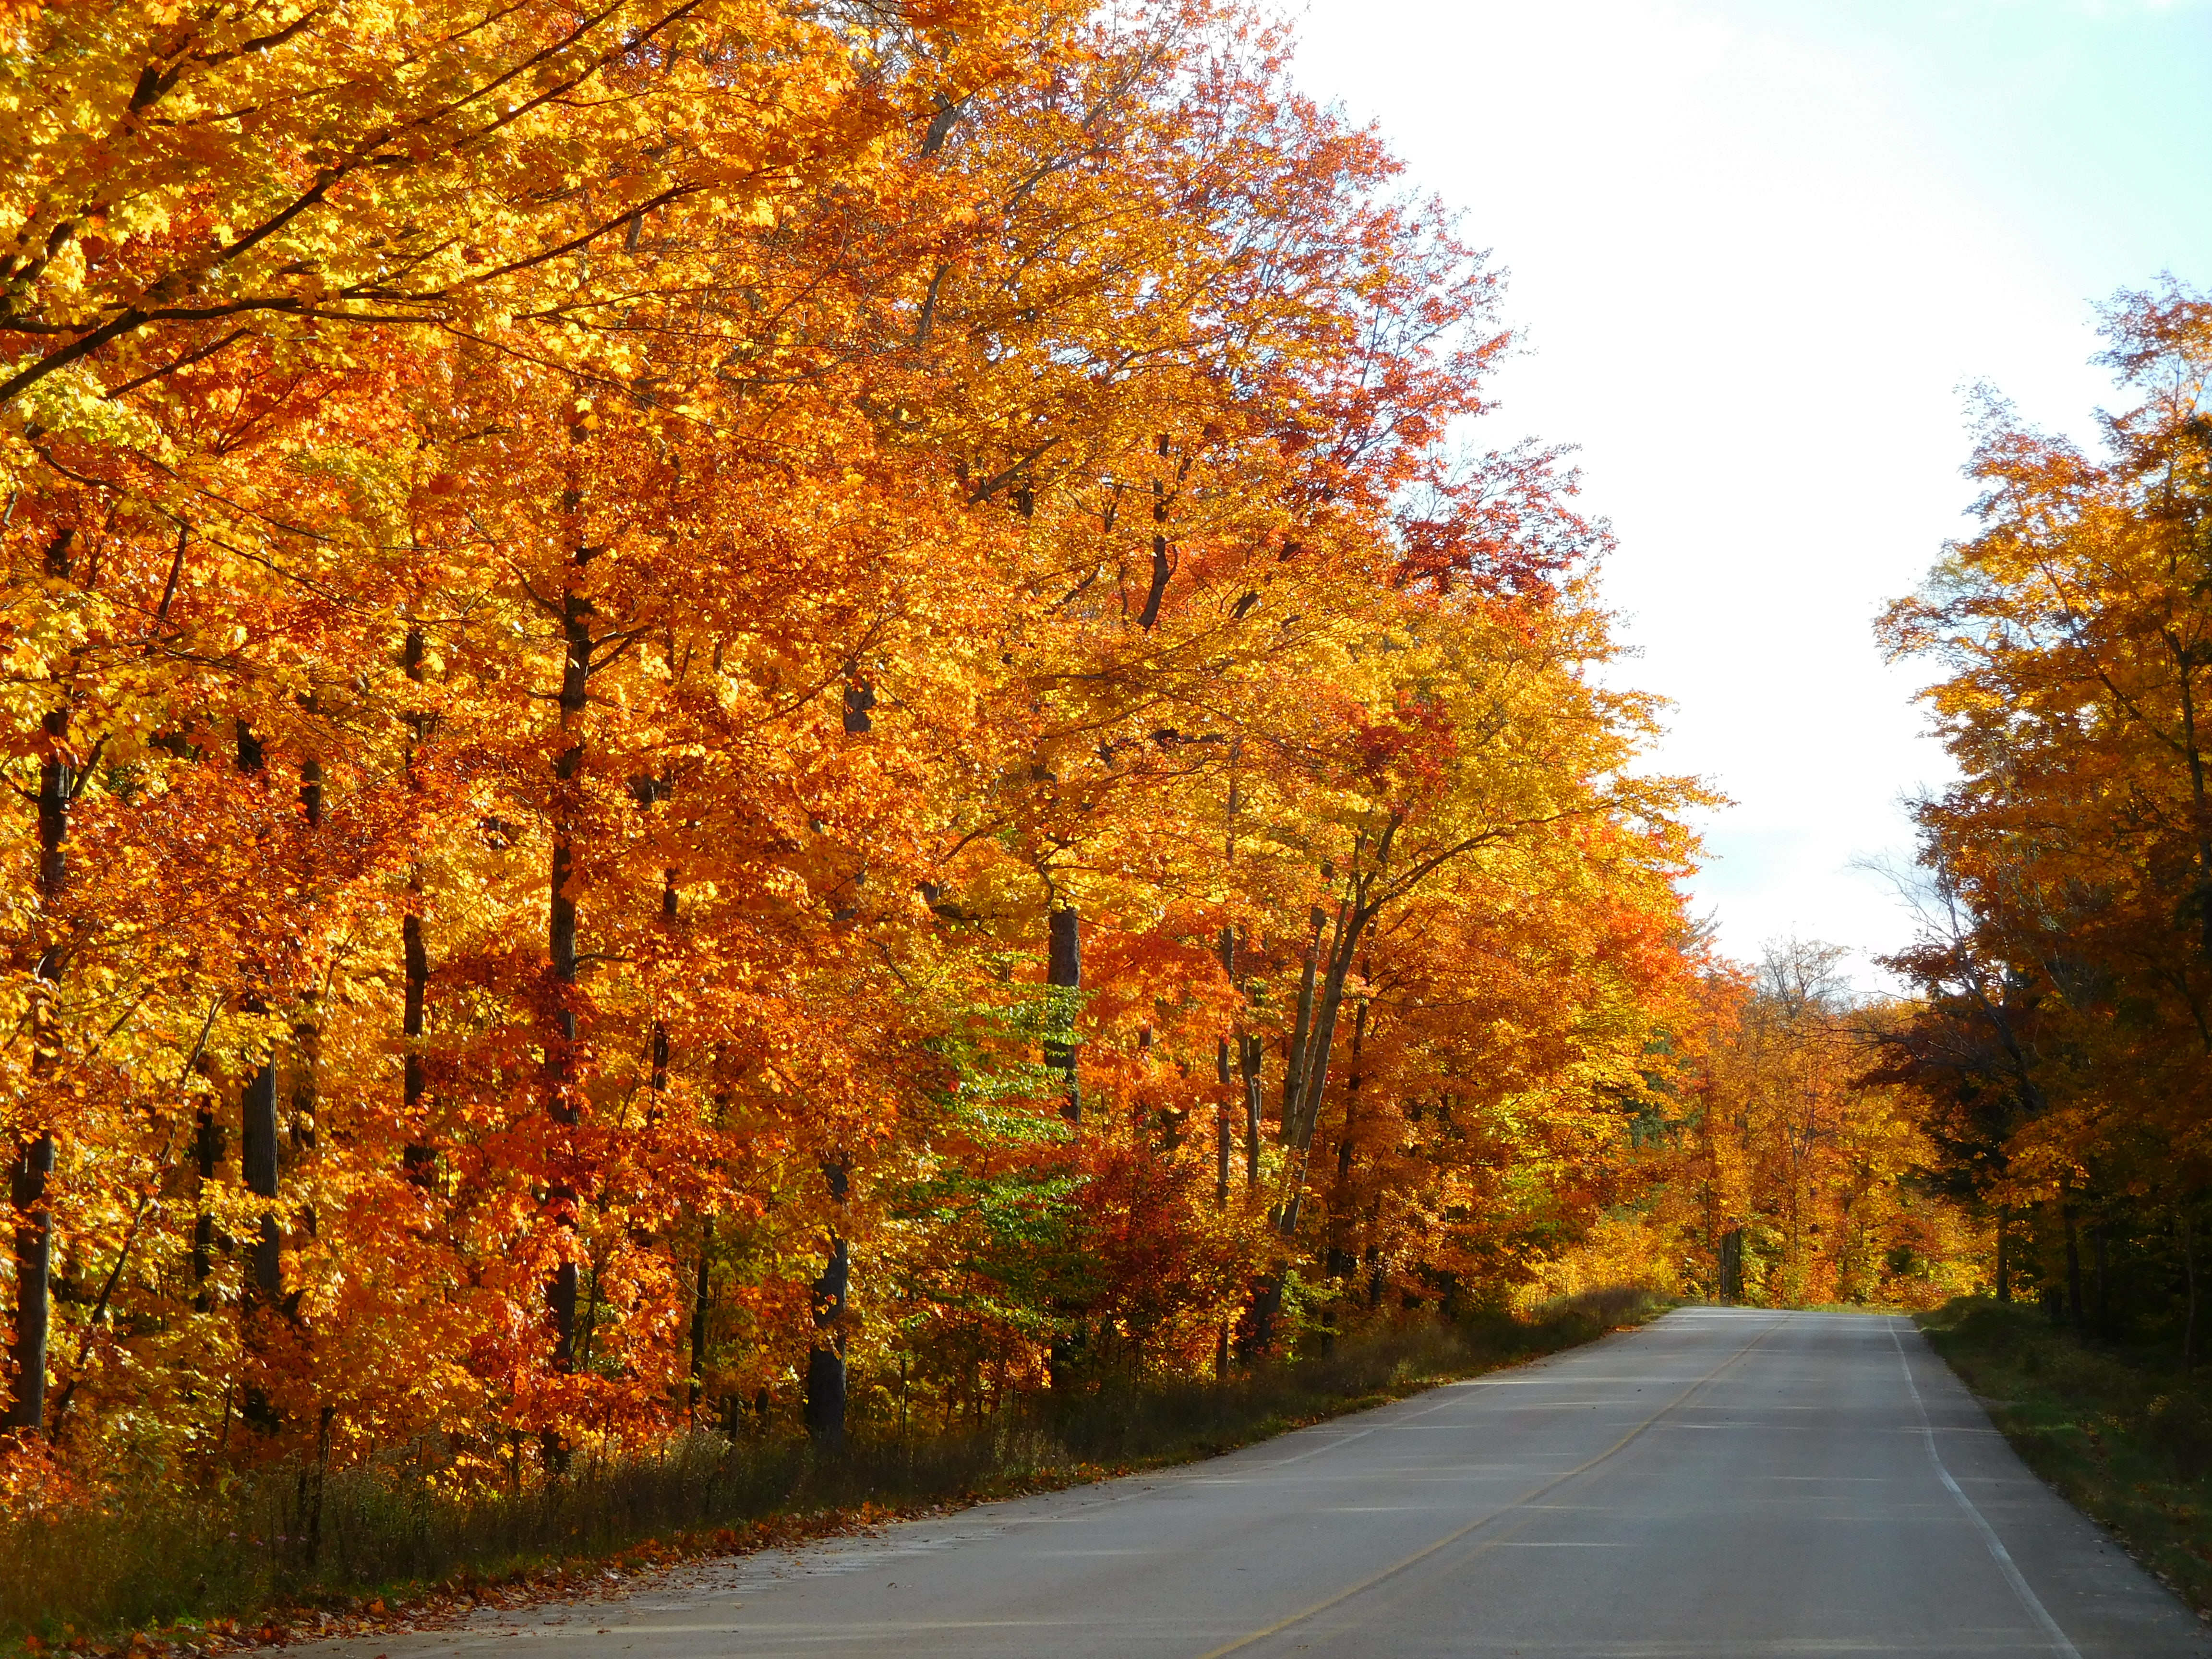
<point x="1758" y="247"/>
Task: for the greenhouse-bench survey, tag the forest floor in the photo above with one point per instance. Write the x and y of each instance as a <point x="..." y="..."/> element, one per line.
<point x="175" y="1575"/>
<point x="2120" y="1433"/>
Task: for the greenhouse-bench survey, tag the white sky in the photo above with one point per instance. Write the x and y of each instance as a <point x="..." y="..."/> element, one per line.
<point x="1757" y="248"/>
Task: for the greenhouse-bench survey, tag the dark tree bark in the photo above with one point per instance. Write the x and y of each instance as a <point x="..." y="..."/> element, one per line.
<point x="1064" y="971"/>
<point x="34" y="1153"/>
<point x="1222" y="1149"/>
<point x="258" y="1154"/>
<point x="1249" y="1047"/>
<point x="700" y="1303"/>
<point x="306" y="1026"/>
<point x="257" y="1109"/>
<point x="1156" y="591"/>
<point x="561" y="938"/>
<point x="2186" y="662"/>
<point x="419" y="1160"/>
<point x="564" y="1102"/>
<point x="860" y="699"/>
<point x="2004" y="1276"/>
<point x="1352" y="915"/>
<point x="825" y="1359"/>
<point x="1294" y="1057"/>
<point x="648" y="791"/>
<point x="1342" y="1258"/>
<point x="27" y="1188"/>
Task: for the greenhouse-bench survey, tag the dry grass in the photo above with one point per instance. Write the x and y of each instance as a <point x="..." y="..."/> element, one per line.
<point x="2122" y="1433"/>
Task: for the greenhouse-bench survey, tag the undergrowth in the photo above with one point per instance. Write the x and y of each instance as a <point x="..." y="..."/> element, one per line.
<point x="286" y="1546"/>
<point x="2121" y="1432"/>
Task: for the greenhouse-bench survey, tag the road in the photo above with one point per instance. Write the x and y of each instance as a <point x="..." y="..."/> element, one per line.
<point x="1722" y="1482"/>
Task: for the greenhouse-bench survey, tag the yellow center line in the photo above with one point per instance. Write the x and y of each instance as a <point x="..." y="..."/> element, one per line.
<point x="1527" y="1497"/>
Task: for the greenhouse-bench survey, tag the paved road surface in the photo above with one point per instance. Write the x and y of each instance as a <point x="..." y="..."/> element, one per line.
<point x="1724" y="1482"/>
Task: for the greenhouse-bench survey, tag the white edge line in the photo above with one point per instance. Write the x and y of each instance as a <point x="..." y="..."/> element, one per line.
<point x="1999" y="1554"/>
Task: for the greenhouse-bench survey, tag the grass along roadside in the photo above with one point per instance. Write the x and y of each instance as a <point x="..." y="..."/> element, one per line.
<point x="164" y="1571"/>
<point x="2120" y="1433"/>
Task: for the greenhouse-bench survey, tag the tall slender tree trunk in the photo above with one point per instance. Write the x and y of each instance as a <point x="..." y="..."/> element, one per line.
<point x="258" y="1158"/>
<point x="2004" y="1264"/>
<point x="2186" y="663"/>
<point x="700" y="1306"/>
<point x="1064" y="971"/>
<point x="1250" y="1053"/>
<point x="662" y="1052"/>
<point x="1222" y="1149"/>
<point x="419" y="1159"/>
<point x="1162" y="565"/>
<point x="1301" y="1060"/>
<point x="307" y="1023"/>
<point x="258" y="1109"/>
<point x="825" y="1359"/>
<point x="1352" y="919"/>
<point x="562" y="947"/>
<point x="1303" y="1104"/>
<point x="1731" y="1266"/>
<point x="34" y="1153"/>
<point x="1342" y="1258"/>
<point x="562" y="1102"/>
<point x="1294" y="1057"/>
<point x="27" y="1188"/>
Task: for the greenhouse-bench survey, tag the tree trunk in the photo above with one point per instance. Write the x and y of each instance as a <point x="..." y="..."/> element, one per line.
<point x="1064" y="971"/>
<point x="1342" y="1259"/>
<point x="825" y="1359"/>
<point x="34" y="1152"/>
<point x="1343" y="947"/>
<point x="700" y="1304"/>
<point x="419" y="1160"/>
<point x="1352" y="917"/>
<point x="2186" y="663"/>
<point x="2004" y="1278"/>
<point x="1294" y="1059"/>
<point x="561" y="943"/>
<point x="257" y="1109"/>
<point x="1163" y="568"/>
<point x="34" y="1256"/>
<point x="258" y="1153"/>
<point x="562" y="1104"/>
<point x="1222" y="1076"/>
<point x="306" y="1026"/>
<point x="646" y="792"/>
<point x="1250" y="1054"/>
